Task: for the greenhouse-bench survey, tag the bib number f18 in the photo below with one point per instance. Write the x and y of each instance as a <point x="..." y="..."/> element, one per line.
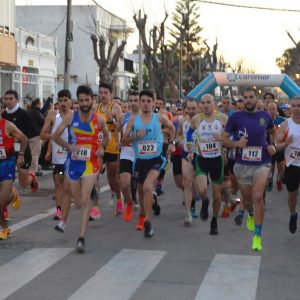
<point x="83" y="153"/>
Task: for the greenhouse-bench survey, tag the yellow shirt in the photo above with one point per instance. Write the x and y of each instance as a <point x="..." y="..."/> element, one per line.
<point x="112" y="146"/>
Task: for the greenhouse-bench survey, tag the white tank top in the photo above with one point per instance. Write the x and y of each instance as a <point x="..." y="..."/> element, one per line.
<point x="208" y="145"/>
<point x="292" y="151"/>
<point x="185" y="127"/>
<point x="59" y="154"/>
<point x="127" y="152"/>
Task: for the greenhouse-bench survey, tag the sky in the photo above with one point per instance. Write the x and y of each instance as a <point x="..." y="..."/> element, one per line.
<point x="257" y="37"/>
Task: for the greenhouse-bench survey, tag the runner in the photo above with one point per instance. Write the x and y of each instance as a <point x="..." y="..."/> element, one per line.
<point x="253" y="158"/>
<point x="83" y="163"/>
<point x="127" y="159"/>
<point x="144" y="132"/>
<point x="208" y="127"/>
<point x="15" y="114"/>
<point x="289" y="140"/>
<point x="59" y="156"/>
<point x="188" y="173"/>
<point x="111" y="113"/>
<point x="8" y="133"/>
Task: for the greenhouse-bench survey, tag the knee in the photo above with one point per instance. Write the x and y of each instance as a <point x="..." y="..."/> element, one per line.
<point x="147" y="189"/>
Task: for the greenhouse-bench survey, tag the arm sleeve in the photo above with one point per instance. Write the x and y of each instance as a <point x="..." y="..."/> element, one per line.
<point x="189" y="135"/>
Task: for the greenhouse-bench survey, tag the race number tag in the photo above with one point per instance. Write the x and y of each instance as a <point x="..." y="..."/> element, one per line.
<point x="83" y="153"/>
<point x="2" y="153"/>
<point x="147" y="148"/>
<point x="209" y="149"/>
<point x="294" y="153"/>
<point x="17" y="146"/>
<point x="252" y="153"/>
<point x="61" y="151"/>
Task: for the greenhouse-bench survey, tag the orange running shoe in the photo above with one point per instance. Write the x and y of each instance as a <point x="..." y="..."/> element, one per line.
<point x="16" y="202"/>
<point x="4" y="233"/>
<point x="34" y="184"/>
<point x="140" y="223"/>
<point x="128" y="214"/>
<point x="226" y="212"/>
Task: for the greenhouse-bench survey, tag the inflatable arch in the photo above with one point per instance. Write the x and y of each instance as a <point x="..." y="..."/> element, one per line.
<point x="238" y="79"/>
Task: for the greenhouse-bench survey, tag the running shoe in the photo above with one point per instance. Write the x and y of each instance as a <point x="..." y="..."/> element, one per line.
<point x="213" y="227"/>
<point x="279" y="185"/>
<point x="4" y="233"/>
<point x="140" y="223"/>
<point x="250" y="223"/>
<point x="58" y="214"/>
<point x="128" y="213"/>
<point x="95" y="213"/>
<point x="112" y="199"/>
<point x="293" y="223"/>
<point x="80" y="246"/>
<point x="148" y="230"/>
<point x="270" y="185"/>
<point x="60" y="226"/>
<point x="5" y="214"/>
<point x="159" y="189"/>
<point x="16" y="202"/>
<point x="226" y="212"/>
<point x="34" y="184"/>
<point x="155" y="205"/>
<point x="204" y="209"/>
<point x="256" y="243"/>
<point x="194" y="213"/>
<point x="238" y="220"/>
<point x="136" y="205"/>
<point x="119" y="208"/>
<point x="188" y="219"/>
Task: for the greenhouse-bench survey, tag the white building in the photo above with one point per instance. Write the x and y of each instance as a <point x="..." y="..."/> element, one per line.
<point x="27" y="59"/>
<point x="83" y="68"/>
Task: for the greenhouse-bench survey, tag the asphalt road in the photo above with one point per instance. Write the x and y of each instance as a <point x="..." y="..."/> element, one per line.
<point x="37" y="262"/>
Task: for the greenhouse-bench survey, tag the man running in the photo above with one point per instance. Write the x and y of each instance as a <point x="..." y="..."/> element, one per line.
<point x="59" y="155"/>
<point x="145" y="133"/>
<point x="111" y="113"/>
<point x="83" y="164"/>
<point x="8" y="134"/>
<point x="127" y="158"/>
<point x="289" y="140"/>
<point x="208" y="127"/>
<point x="253" y="158"/>
<point x="188" y="174"/>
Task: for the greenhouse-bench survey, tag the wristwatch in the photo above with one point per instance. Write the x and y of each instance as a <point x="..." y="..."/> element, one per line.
<point x="172" y="142"/>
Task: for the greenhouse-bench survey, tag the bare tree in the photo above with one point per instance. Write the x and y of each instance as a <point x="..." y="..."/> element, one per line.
<point x="106" y="47"/>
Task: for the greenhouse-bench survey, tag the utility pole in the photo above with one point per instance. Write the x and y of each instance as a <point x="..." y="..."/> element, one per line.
<point x="140" y="77"/>
<point x="69" y="39"/>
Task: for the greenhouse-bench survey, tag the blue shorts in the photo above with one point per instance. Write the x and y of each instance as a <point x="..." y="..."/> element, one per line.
<point x="76" y="169"/>
<point x="8" y="168"/>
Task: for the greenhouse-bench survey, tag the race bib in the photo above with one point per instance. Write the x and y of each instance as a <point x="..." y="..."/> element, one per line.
<point x="147" y="148"/>
<point x="294" y="153"/>
<point x="83" y="153"/>
<point x="252" y="154"/>
<point x="17" y="146"/>
<point x="61" y="151"/>
<point x="209" y="149"/>
<point x="2" y="153"/>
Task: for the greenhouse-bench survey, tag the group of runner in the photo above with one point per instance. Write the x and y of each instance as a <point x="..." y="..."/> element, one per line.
<point x="231" y="148"/>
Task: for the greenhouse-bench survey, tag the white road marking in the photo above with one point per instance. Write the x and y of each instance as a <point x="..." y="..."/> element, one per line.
<point x="119" y="278"/>
<point x="43" y="215"/>
<point x="19" y="271"/>
<point x="230" y="277"/>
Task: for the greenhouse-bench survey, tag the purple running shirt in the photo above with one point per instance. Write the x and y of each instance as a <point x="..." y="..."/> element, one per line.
<point x="253" y="126"/>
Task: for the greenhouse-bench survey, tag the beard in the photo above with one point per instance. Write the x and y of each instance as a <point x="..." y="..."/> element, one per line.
<point x="86" y="109"/>
<point x="250" y="107"/>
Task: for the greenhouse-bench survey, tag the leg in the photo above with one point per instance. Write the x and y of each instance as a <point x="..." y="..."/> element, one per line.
<point x="188" y="178"/>
<point x="112" y="169"/>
